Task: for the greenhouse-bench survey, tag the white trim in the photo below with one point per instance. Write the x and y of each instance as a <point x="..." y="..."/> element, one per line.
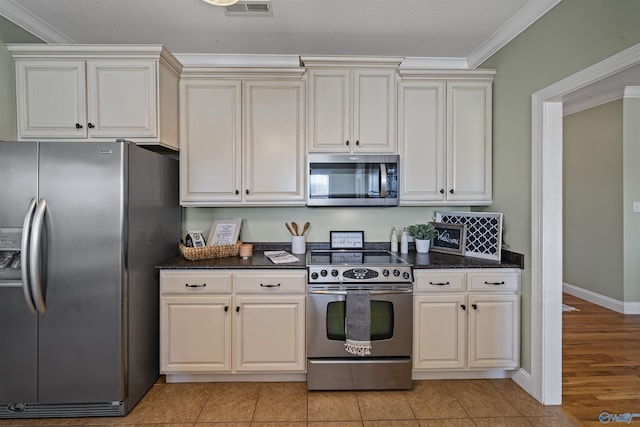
<point x="418" y="63"/>
<point x="235" y="377"/>
<point x="602" y="300"/>
<point x="519" y="22"/>
<point x="197" y="60"/>
<point x="546" y="228"/>
<point x="463" y="374"/>
<point x="632" y="92"/>
<point x="523" y="379"/>
<point x="591" y="102"/>
<point x="31" y="23"/>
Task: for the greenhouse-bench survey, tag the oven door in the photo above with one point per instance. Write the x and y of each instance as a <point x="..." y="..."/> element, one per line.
<point x="391" y="323"/>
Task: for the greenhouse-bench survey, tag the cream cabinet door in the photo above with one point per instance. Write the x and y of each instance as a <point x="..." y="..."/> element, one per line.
<point x="494" y="330"/>
<point x="195" y="334"/>
<point x="274" y="142"/>
<point x="469" y="142"/>
<point x="422" y="142"/>
<point x="210" y="142"/>
<point x="269" y="333"/>
<point x="352" y="110"/>
<point x="51" y="99"/>
<point x="440" y="331"/>
<point x="121" y="99"/>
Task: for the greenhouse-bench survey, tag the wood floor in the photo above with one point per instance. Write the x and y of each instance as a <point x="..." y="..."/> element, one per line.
<point x="600" y="364"/>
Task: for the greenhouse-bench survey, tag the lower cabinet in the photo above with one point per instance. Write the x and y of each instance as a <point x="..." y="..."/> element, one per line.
<point x="232" y="321"/>
<point x="466" y="319"/>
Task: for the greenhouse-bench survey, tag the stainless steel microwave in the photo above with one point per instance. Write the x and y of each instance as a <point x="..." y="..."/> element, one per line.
<point x="353" y="180"/>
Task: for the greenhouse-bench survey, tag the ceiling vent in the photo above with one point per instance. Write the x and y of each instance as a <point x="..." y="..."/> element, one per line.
<point x="250" y="8"/>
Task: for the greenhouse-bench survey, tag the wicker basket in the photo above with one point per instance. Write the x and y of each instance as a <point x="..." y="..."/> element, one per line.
<point x="209" y="252"/>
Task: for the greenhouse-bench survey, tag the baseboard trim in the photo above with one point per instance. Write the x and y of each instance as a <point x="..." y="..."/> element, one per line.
<point x="602" y="300"/>
<point x="459" y="375"/>
<point x="523" y="379"/>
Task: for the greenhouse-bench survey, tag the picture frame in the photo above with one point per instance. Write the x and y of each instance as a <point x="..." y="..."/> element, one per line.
<point x="484" y="232"/>
<point x="450" y="238"/>
<point x="347" y="239"/>
<point x="224" y="232"/>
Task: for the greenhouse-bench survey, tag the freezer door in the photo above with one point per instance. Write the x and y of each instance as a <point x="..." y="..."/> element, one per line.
<point x="81" y="340"/>
<point x="18" y="324"/>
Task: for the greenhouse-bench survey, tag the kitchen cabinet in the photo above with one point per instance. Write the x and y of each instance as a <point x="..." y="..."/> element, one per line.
<point x="466" y="319"/>
<point x="352" y="106"/>
<point x="445" y="139"/>
<point x="240" y="321"/>
<point x="242" y="142"/>
<point x="93" y="93"/>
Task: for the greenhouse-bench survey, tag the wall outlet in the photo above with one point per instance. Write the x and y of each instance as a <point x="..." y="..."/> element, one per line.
<point x="636" y="206"/>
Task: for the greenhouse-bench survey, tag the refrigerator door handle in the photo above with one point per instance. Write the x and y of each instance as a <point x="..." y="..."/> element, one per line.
<point x="35" y="251"/>
<point x="24" y="255"/>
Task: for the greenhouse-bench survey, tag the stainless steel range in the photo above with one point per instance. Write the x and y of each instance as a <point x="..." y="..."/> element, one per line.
<point x="386" y="281"/>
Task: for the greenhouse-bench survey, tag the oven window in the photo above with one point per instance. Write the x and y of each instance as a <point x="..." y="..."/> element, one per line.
<point x="381" y="320"/>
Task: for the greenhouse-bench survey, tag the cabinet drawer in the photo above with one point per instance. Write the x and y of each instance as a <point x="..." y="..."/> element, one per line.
<point x="269" y="282"/>
<point x="185" y="282"/>
<point x="496" y="281"/>
<point x="428" y="281"/>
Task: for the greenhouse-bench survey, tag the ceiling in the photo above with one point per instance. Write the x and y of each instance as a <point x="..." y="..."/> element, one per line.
<point x="468" y="31"/>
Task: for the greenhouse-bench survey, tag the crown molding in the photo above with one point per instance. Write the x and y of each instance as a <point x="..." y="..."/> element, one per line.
<point x="204" y="60"/>
<point x="31" y="23"/>
<point x="632" y="92"/>
<point x="421" y="63"/>
<point x="529" y="14"/>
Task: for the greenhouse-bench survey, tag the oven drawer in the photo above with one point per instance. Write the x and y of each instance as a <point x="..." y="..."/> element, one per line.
<point x="268" y="282"/>
<point x="190" y="281"/>
<point x="362" y="374"/>
<point x="428" y="281"/>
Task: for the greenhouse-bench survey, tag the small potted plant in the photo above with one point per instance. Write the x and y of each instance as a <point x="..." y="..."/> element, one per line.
<point x="422" y="234"/>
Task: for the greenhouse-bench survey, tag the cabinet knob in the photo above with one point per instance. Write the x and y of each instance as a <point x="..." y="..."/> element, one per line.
<point x="78" y="126"/>
<point x="357" y="142"/>
<point x="246" y="191"/>
<point x="442" y="191"/>
<point x="238" y="309"/>
<point x="237" y="192"/>
<point x="347" y="142"/>
<point x="90" y="125"/>
<point x="226" y="308"/>
<point x="464" y="307"/>
<point x="475" y="306"/>
<point x="451" y="191"/>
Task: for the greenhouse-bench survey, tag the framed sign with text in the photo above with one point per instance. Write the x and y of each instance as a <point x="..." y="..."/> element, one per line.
<point x="450" y="238"/>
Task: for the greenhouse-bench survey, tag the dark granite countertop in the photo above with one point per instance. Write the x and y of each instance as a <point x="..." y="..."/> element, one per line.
<point x="430" y="260"/>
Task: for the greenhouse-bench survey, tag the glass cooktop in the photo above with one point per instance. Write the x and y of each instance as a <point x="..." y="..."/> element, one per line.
<point x="353" y="257"/>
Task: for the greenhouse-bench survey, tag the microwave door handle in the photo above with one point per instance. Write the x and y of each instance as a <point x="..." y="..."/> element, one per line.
<point x="24" y="255"/>
<point x="383" y="180"/>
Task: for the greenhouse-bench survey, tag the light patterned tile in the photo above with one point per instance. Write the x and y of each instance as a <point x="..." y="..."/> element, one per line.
<point x="433" y="399"/>
<point x="480" y="398"/>
<point x="231" y="402"/>
<point x="392" y="423"/>
<point x="333" y="406"/>
<point x="524" y="402"/>
<point x="335" y="424"/>
<point x="384" y="405"/>
<point x="552" y="422"/>
<point x="502" y="422"/>
<point x="285" y="401"/>
<point x="452" y="422"/>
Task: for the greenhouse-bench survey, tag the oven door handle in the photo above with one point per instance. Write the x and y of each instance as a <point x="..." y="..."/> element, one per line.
<point x="372" y="292"/>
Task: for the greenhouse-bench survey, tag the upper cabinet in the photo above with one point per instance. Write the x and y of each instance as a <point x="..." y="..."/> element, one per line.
<point x="242" y="140"/>
<point x="97" y="93"/>
<point x="352" y="105"/>
<point x="445" y="138"/>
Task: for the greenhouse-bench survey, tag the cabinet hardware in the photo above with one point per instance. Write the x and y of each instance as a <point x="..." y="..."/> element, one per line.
<point x="238" y="309"/>
<point x="195" y="286"/>
<point x="475" y="306"/>
<point x="347" y="142"/>
<point x="78" y="126"/>
<point x="442" y="191"/>
<point x="451" y="191"/>
<point x="357" y="142"/>
<point x="226" y="308"/>
<point x="90" y="125"/>
<point x="237" y="192"/>
<point x="494" y="283"/>
<point x="464" y="307"/>
<point x="439" y="283"/>
<point x="269" y="285"/>
<point x="246" y="191"/>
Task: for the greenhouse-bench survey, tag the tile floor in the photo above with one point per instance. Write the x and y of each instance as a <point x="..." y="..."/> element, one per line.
<point x="455" y="403"/>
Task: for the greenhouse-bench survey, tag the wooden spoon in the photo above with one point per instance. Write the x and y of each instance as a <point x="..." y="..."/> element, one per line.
<point x="295" y="227"/>
<point x="289" y="228"/>
<point x="305" y="228"/>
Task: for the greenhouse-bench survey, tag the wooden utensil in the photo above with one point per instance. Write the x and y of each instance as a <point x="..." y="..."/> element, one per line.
<point x="295" y="228"/>
<point x="305" y="228"/>
<point x="289" y="228"/>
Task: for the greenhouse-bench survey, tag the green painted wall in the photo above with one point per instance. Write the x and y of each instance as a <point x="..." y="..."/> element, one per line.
<point x="592" y="200"/>
<point x="631" y="174"/>
<point x="572" y="36"/>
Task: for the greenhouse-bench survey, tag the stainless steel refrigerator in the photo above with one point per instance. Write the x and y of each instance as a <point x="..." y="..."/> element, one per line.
<point x="82" y="225"/>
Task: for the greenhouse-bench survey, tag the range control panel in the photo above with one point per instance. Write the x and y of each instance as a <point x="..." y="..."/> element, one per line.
<point x="347" y="274"/>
